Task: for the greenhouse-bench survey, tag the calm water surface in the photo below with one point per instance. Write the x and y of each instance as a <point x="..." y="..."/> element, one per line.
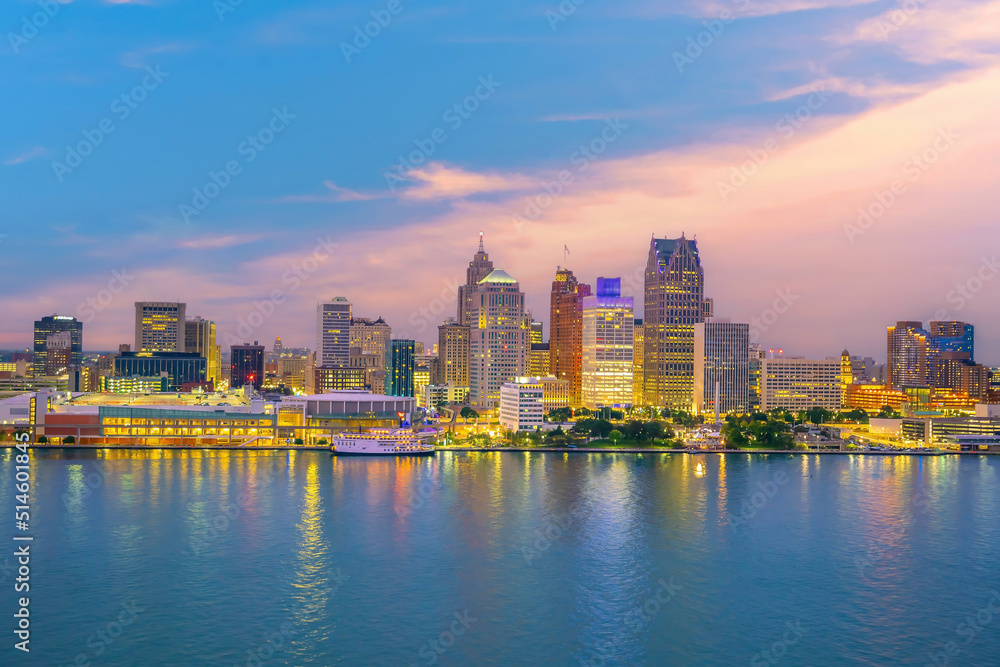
<point x="292" y="558"/>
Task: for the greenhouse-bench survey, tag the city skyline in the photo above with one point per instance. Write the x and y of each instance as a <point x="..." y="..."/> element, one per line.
<point x="708" y="150"/>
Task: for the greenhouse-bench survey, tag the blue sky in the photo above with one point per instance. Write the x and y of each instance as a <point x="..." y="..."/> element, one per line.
<point x="554" y="85"/>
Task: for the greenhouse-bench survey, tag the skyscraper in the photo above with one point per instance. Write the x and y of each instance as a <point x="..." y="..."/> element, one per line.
<point x="370" y="337"/>
<point x="536" y="331"/>
<point x="722" y="358"/>
<point x="955" y="337"/>
<point x="399" y="367"/>
<point x="479" y="268"/>
<point x="453" y="354"/>
<point x="674" y="303"/>
<point x="53" y="324"/>
<point x="608" y="345"/>
<point x="333" y="326"/>
<point x="246" y="365"/>
<point x="566" y="331"/>
<point x="498" y="337"/>
<point x="638" y="350"/>
<point x="199" y="337"/>
<point x="906" y="364"/>
<point x="59" y="353"/>
<point x="159" y="326"/>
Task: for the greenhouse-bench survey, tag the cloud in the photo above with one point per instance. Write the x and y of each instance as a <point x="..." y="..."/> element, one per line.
<point x="37" y="151"/>
<point x="438" y="181"/>
<point x="215" y="242"/>
<point x="141" y="57"/>
<point x="738" y="8"/>
<point x="335" y="194"/>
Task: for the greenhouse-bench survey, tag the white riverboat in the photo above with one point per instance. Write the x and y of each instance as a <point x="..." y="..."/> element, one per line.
<point x="386" y="442"/>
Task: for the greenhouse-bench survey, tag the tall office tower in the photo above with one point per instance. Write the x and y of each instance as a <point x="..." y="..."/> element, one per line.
<point x="278" y="345"/>
<point x="539" y="360"/>
<point x="566" y="332"/>
<point x="955" y="337"/>
<point x="536" y="331"/>
<point x="479" y="268"/>
<point x="371" y="337"/>
<point x="906" y="364"/>
<point x="756" y="360"/>
<point x="199" y="337"/>
<point x="608" y="343"/>
<point x="399" y="367"/>
<point x="638" y="347"/>
<point x="722" y="366"/>
<point x="246" y="364"/>
<point x="333" y="326"/>
<point x="159" y="326"/>
<point x="675" y="302"/>
<point x="453" y="354"/>
<point x="498" y="337"/>
<point x="53" y="324"/>
<point x="59" y="353"/>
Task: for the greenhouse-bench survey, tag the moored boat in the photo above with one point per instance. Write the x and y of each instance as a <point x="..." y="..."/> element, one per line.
<point x="386" y="442"/>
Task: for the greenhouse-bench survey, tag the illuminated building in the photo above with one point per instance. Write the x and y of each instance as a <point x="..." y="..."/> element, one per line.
<point x="538" y="359"/>
<point x="453" y="354"/>
<point x="722" y="360"/>
<point x="674" y="303"/>
<point x="54" y="324"/>
<point x="498" y="339"/>
<point x="846" y="375"/>
<point x="370" y="336"/>
<point x="373" y="365"/>
<point x="199" y="337"/>
<point x="421" y="380"/>
<point x="180" y="367"/>
<point x="479" y="268"/>
<point x="328" y="379"/>
<point x="59" y="353"/>
<point x="872" y="397"/>
<point x="333" y="326"/>
<point x="445" y="394"/>
<point x="906" y="355"/>
<point x="800" y="384"/>
<point x="566" y="331"/>
<point x="312" y="418"/>
<point x="521" y="405"/>
<point x="399" y="367"/>
<point x="955" y="337"/>
<point x="555" y="392"/>
<point x="638" y="351"/>
<point x="246" y="365"/>
<point x="756" y="359"/>
<point x="608" y="340"/>
<point x="159" y="326"/>
<point x="135" y="384"/>
<point x="536" y="332"/>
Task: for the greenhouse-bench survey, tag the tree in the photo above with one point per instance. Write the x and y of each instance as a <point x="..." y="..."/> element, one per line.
<point x="601" y="428"/>
<point x="583" y="412"/>
<point x="615" y="436"/>
<point x="468" y="413"/>
<point x="655" y="430"/>
<point x="635" y="430"/>
<point x="298" y="441"/>
<point x="583" y="425"/>
<point x="666" y="413"/>
<point x="887" y="412"/>
<point x="560" y="414"/>
<point x="42" y="440"/>
<point x="69" y="440"/>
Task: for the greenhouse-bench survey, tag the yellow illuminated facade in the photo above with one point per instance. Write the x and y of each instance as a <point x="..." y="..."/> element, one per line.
<point x="608" y="349"/>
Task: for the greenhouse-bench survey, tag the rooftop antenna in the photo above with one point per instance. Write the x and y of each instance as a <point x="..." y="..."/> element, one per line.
<point x="481" y="248"/>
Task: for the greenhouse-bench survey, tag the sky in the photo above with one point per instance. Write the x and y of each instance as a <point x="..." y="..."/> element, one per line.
<point x="837" y="160"/>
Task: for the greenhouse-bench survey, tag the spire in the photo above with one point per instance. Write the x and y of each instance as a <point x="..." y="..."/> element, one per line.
<point x="481" y="248"/>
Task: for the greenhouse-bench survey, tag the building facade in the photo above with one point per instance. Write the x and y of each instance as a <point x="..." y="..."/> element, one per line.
<point x="180" y="367"/>
<point x="400" y="368"/>
<point x="54" y="324"/>
<point x="453" y="354"/>
<point x="246" y="366"/>
<point x="539" y="360"/>
<point x="906" y="355"/>
<point x="608" y="340"/>
<point x="498" y="339"/>
<point x="566" y="331"/>
<point x="199" y="337"/>
<point x="638" y="351"/>
<point x="333" y="327"/>
<point x="722" y="366"/>
<point x="160" y="326"/>
<point x="479" y="268"/>
<point x="521" y="405"/>
<point x="800" y="384"/>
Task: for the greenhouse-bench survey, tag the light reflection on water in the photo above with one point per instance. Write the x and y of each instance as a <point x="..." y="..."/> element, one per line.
<point x="365" y="560"/>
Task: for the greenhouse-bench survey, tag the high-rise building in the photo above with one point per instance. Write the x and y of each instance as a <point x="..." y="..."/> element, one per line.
<point x="638" y="350"/>
<point x="907" y="349"/>
<point x="53" y="324"/>
<point x="59" y="353"/>
<point x="246" y="364"/>
<point x="756" y="360"/>
<point x="371" y="337"/>
<point x="453" y="354"/>
<point x="399" y="368"/>
<point x="955" y="337"/>
<point x="180" y="367"/>
<point x="159" y="326"/>
<point x="608" y="346"/>
<point x="722" y="366"/>
<point x="199" y="337"/>
<point x="674" y="303"/>
<point x="539" y="360"/>
<point x="421" y="380"/>
<point x="333" y="327"/>
<point x="536" y="331"/>
<point x="498" y="337"/>
<point x="800" y="384"/>
<point x="479" y="268"/>
<point x="326" y="380"/>
<point x="566" y="332"/>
